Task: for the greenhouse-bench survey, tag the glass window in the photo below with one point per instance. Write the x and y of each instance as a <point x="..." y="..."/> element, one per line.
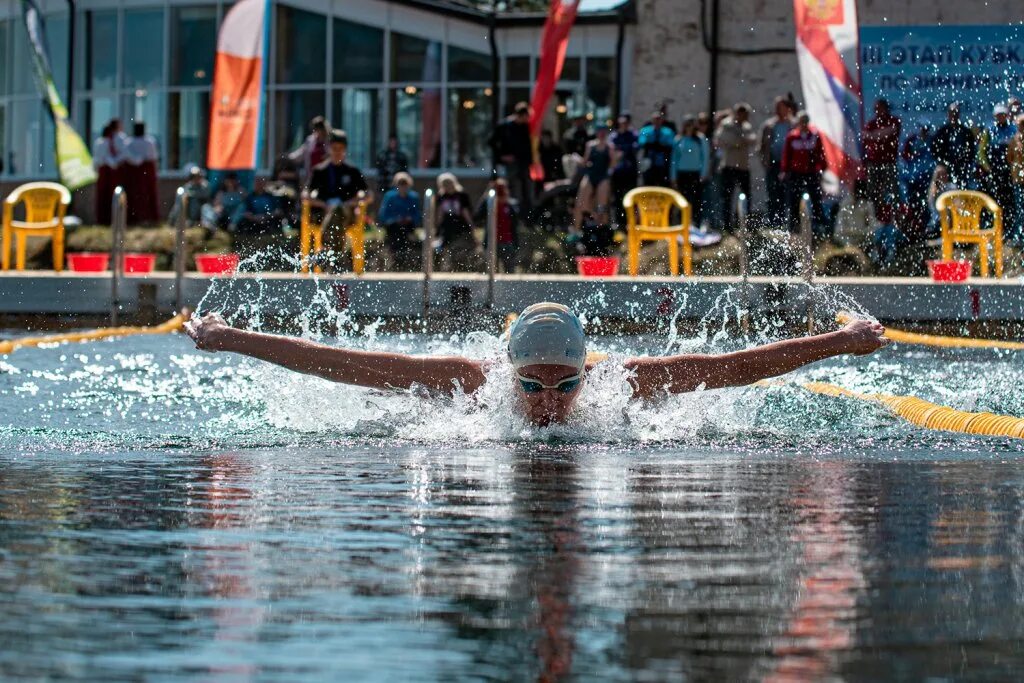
<point x="517" y="69"/>
<point x="416" y="121"/>
<point x="3" y="140"/>
<point x="600" y="86"/>
<point x="188" y="114"/>
<point x="194" y="37"/>
<point x="469" y="128"/>
<point x="301" y="46"/>
<point x="100" y="110"/>
<point x="465" y="65"/>
<point x="293" y="111"/>
<point x="26" y="153"/>
<point x="143" y="48"/>
<point x="571" y="69"/>
<point x="358" y="53"/>
<point x="57" y="40"/>
<point x="101" y="50"/>
<point x="23" y="76"/>
<point x="357" y="110"/>
<point x="415" y="59"/>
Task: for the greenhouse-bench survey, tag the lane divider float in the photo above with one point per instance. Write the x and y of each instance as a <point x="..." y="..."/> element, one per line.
<point x="901" y="337"/>
<point x="172" y="325"/>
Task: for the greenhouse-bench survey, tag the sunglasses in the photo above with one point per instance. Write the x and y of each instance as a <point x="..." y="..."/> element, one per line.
<point x="532" y="386"/>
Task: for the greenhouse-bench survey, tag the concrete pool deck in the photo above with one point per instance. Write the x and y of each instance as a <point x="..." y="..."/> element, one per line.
<point x="401" y="294"/>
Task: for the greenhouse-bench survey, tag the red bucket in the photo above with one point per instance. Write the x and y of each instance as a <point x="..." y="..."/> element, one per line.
<point x="88" y="261"/>
<point x="217" y="264"/>
<point x="949" y="271"/>
<point x="139" y="263"/>
<point x="597" y="266"/>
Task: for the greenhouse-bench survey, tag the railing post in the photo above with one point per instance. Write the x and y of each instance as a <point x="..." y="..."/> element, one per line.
<point x="807" y="233"/>
<point x="118" y="214"/>
<point x="742" y="209"/>
<point x="492" y="243"/>
<point x="179" y="250"/>
<point x="429" y="218"/>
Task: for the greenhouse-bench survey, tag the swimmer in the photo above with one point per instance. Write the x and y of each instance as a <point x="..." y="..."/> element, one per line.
<point x="547" y="349"/>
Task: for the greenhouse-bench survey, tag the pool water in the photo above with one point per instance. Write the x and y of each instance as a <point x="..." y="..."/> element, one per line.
<point x="167" y="514"/>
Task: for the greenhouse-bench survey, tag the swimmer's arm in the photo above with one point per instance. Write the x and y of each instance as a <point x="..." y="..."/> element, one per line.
<point x="378" y="370"/>
<point x="678" y="374"/>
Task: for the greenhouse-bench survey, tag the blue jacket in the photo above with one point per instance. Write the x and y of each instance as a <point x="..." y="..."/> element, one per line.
<point x="691" y="155"/>
<point x="394" y="207"/>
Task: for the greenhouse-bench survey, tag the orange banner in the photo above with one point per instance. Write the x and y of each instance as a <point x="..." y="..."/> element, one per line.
<point x="553" y="44"/>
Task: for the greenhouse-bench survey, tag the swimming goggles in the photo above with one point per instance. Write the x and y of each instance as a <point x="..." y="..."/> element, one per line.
<point x="532" y="386"/>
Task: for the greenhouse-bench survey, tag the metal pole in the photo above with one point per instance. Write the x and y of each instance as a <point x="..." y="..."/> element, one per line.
<point x="429" y="217"/>
<point x="808" y="266"/>
<point x="118" y="211"/>
<point x="492" y="243"/>
<point x="179" y="250"/>
<point x="741" y="221"/>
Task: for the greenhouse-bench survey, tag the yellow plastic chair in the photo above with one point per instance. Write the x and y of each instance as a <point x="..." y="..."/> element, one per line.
<point x="647" y="216"/>
<point x="960" y="217"/>
<point x="45" y="207"/>
<point x="311" y="235"/>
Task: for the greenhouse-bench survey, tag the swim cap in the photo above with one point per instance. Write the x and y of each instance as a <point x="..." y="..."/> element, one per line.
<point x="547" y="334"/>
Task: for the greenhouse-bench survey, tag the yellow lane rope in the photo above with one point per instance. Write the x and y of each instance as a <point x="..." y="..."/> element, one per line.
<point x="171" y="325"/>
<point x="902" y="337"/>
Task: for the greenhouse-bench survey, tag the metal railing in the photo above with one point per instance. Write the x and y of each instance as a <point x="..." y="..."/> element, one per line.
<point x="118" y="222"/>
<point x="429" y="230"/>
<point x="742" y="210"/>
<point x="179" y="249"/>
<point x="807" y="234"/>
<point x="492" y="244"/>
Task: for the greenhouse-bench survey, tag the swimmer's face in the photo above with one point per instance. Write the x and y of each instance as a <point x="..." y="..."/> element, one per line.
<point x="548" y="406"/>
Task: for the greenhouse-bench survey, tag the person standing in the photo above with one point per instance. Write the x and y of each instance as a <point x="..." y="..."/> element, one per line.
<point x="656" y="142"/>
<point x="334" y="189"/>
<point x="514" y="151"/>
<point x="955" y="147"/>
<point x="773" y="139"/>
<point x="1015" y="159"/>
<point x="994" y="161"/>
<point x="691" y="164"/>
<point x="594" y="192"/>
<point x="918" y="167"/>
<point x="455" y="224"/>
<point x="576" y="138"/>
<point x="803" y="164"/>
<point x="141" y="157"/>
<point x="624" y="172"/>
<point x="551" y="157"/>
<point x="881" y="138"/>
<point x="390" y="161"/>
<point x="735" y="139"/>
<point x="314" y="149"/>
<point x="400" y="214"/>
<point x="108" y="158"/>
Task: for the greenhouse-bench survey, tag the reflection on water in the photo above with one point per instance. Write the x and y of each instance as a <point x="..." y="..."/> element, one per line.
<point x="530" y="562"/>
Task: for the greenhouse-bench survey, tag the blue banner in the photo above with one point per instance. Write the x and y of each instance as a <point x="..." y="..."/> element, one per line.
<point x="920" y="70"/>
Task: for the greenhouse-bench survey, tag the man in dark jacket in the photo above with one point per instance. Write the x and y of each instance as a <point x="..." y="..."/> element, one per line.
<point x="955" y="147"/>
<point x="514" y="151"/>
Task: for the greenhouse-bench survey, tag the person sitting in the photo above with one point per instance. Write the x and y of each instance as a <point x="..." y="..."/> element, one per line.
<point x="228" y="198"/>
<point x="455" y="223"/>
<point x="334" y="191"/>
<point x="400" y="214"/>
<point x="197" y="193"/>
<point x="548" y="358"/>
<point x="256" y="221"/>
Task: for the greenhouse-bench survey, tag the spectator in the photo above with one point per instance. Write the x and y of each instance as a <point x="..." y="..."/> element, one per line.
<point x="595" y="187"/>
<point x="197" y="191"/>
<point x="803" y="164"/>
<point x="108" y="157"/>
<point x="735" y="139"/>
<point x="455" y="223"/>
<point x="942" y="181"/>
<point x="256" y="222"/>
<point x="314" y="150"/>
<point x="918" y="167"/>
<point x="140" y="177"/>
<point x="994" y="161"/>
<point x="514" y="151"/>
<point x="691" y="164"/>
<point x="390" y="161"/>
<point x="624" y="140"/>
<point x="400" y="215"/>
<point x="773" y="139"/>
<point x="1015" y="158"/>
<point x="712" y="200"/>
<point x="656" y="142"/>
<point x="1015" y="108"/>
<point x="954" y="146"/>
<point x="227" y="200"/>
<point x="551" y="157"/>
<point x="881" y="138"/>
<point x="334" y="189"/>
<point x="576" y="138"/>
<point x="507" y="225"/>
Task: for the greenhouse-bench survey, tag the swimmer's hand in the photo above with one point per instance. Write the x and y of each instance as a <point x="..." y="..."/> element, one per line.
<point x="864" y="336"/>
<point x="207" y="332"/>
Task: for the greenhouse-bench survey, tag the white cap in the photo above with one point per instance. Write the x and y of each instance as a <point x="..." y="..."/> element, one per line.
<point x="1000" y="109"/>
<point x="547" y="334"/>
